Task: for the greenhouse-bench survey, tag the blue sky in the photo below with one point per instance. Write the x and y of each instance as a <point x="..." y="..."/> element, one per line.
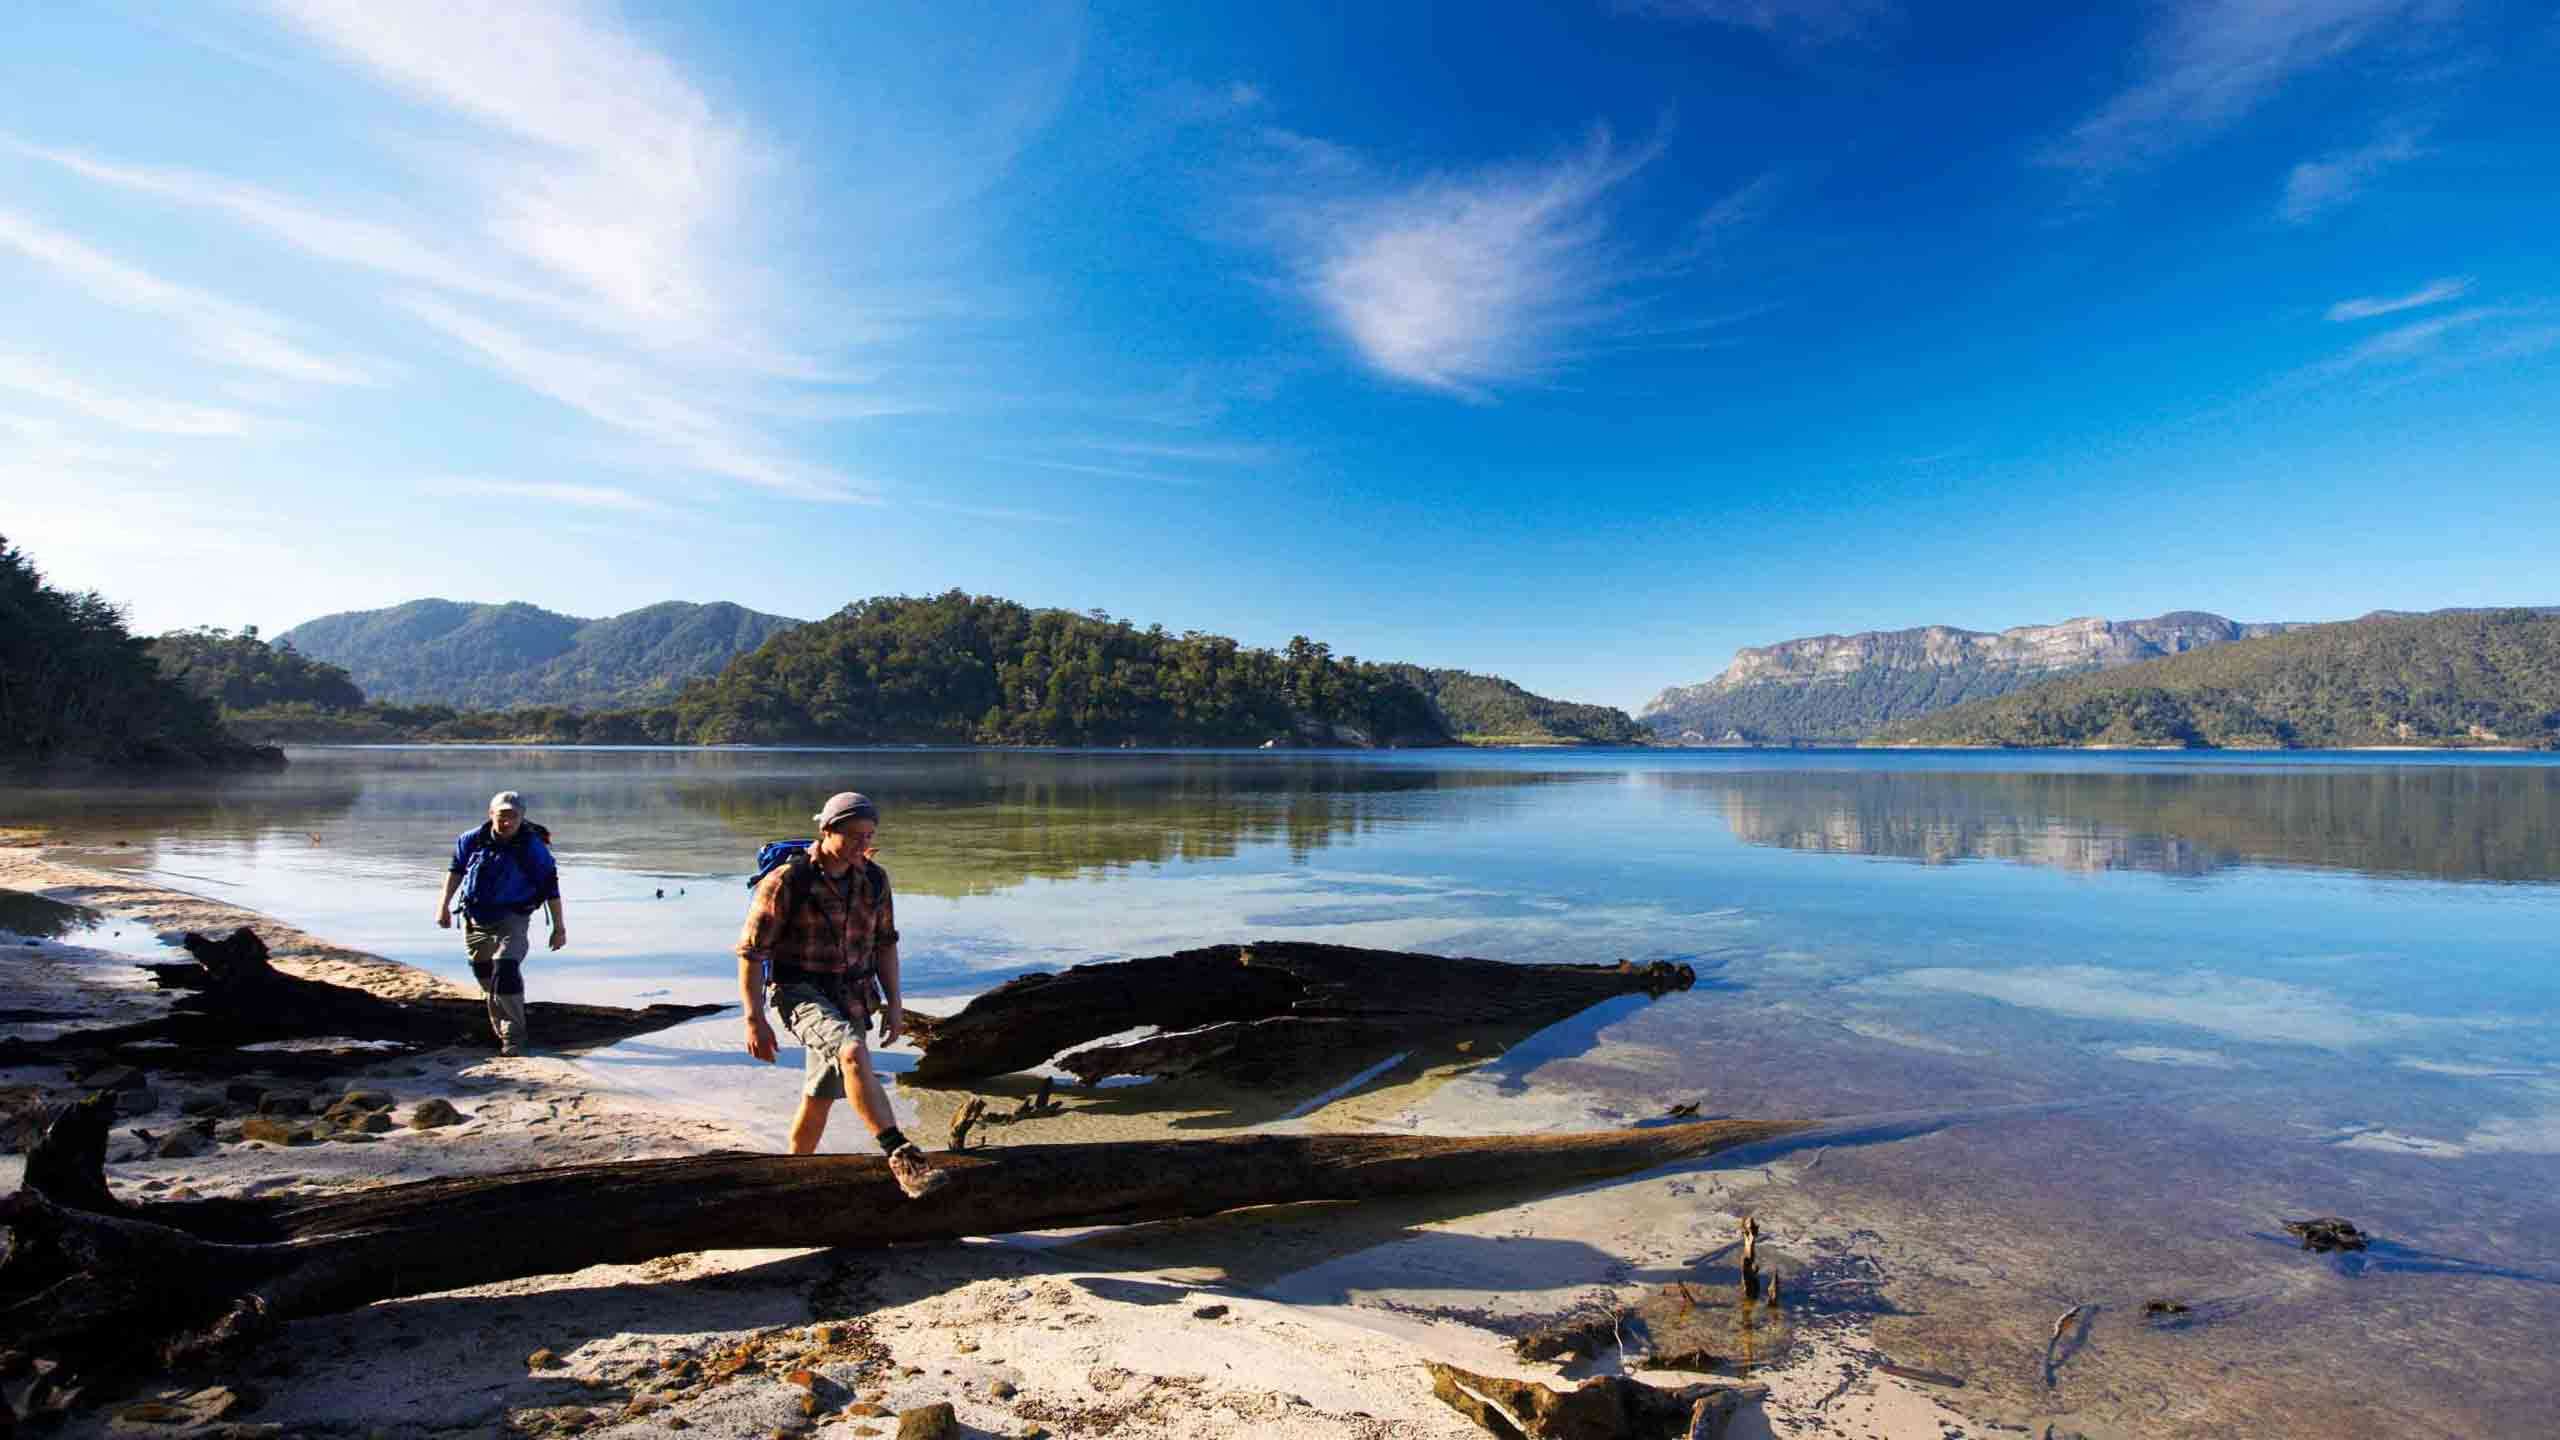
<point x="1580" y="343"/>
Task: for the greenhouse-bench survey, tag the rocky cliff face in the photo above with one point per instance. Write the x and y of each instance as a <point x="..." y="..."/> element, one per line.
<point x="1844" y="687"/>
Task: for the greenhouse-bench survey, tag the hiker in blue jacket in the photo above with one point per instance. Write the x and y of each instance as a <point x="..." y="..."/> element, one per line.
<point x="504" y="871"/>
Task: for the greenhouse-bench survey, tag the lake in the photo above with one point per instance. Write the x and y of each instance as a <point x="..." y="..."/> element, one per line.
<point x="2090" y="1025"/>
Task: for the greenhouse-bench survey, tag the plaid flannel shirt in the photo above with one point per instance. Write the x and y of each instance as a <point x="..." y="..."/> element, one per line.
<point x="837" y="931"/>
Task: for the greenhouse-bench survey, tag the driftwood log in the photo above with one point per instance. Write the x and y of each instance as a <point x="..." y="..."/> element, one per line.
<point x="1606" y="1407"/>
<point x="237" y="998"/>
<point x="1264" y="1013"/>
<point x="93" y="1287"/>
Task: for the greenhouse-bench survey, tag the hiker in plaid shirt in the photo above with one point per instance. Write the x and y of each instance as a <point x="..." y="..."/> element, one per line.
<point x="820" y="933"/>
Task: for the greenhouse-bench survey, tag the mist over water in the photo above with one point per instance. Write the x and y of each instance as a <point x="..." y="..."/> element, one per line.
<point x="2106" y="1018"/>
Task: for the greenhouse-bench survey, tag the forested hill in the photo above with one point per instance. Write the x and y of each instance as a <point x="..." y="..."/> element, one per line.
<point x="501" y="656"/>
<point x="961" y="669"/>
<point x="1839" y="688"/>
<point x="2454" y="678"/>
<point x="76" y="686"/>
<point x="1489" y="709"/>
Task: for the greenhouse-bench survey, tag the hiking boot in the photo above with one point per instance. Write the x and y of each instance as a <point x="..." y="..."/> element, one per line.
<point x="915" y="1171"/>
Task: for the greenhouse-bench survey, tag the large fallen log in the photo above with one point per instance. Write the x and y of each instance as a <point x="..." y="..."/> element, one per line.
<point x="95" y="1287"/>
<point x="236" y="998"/>
<point x="1270" y="1011"/>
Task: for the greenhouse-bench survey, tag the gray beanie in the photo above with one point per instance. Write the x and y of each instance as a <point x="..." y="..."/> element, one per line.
<point x="846" y="805"/>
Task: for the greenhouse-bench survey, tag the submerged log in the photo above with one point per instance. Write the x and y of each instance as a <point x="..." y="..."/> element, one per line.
<point x="235" y="997"/>
<point x="98" y="1286"/>
<point x="1262" y="1012"/>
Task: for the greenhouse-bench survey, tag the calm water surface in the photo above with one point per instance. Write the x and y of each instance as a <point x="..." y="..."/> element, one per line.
<point x="2111" y="1016"/>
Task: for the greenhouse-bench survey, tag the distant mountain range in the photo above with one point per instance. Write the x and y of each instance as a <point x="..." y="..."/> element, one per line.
<point x="1841" y="688"/>
<point x="2450" y="678"/>
<point x="499" y="656"/>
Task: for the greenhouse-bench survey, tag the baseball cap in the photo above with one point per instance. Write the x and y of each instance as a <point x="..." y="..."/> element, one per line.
<point x="846" y="805"/>
<point x="506" y="800"/>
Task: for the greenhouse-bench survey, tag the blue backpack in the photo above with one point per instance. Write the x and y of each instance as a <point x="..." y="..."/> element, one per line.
<point x="777" y="852"/>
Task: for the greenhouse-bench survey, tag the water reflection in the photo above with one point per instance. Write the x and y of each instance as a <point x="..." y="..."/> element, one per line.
<point x="967" y="823"/>
<point x="2441" y="822"/>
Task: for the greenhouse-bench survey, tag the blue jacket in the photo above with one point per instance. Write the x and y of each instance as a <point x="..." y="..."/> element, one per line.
<point x="515" y="877"/>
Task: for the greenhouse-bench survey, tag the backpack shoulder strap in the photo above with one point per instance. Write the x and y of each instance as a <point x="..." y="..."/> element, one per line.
<point x="798" y="871"/>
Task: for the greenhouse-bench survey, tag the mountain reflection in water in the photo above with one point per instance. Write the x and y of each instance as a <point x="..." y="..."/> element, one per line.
<point x="2442" y="823"/>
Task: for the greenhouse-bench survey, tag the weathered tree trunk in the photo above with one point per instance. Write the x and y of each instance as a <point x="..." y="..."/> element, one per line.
<point x="1265" y="1012"/>
<point x="95" y="1285"/>
<point x="240" y="999"/>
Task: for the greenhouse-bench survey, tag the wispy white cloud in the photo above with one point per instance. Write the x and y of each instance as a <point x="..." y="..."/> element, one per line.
<point x="1460" y="283"/>
<point x="346" y="240"/>
<point x="29" y="375"/>
<point x="556" y="492"/>
<point x="2213" y="61"/>
<point x="2418" y="337"/>
<point x="2434" y="292"/>
<point x="1800" y="20"/>
<point x="2316" y="187"/>
<point x="37" y="445"/>
<point x="219" y="329"/>
<point x="633" y="400"/>
<point x="1198" y="452"/>
<point x="629" y="171"/>
<point x="1108" y="472"/>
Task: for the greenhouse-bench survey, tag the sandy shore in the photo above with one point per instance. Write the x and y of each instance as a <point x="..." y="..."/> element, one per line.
<point x="1299" y="1321"/>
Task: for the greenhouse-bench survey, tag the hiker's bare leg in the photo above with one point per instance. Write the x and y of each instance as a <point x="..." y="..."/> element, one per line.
<point x="870" y="1098"/>
<point x="809" y="1123"/>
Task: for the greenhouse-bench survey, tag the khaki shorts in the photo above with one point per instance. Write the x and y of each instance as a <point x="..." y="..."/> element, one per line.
<point x="497" y="951"/>
<point x="825" y="1019"/>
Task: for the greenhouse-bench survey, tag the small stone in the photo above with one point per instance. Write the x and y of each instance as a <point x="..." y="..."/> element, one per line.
<point x="826" y="1334"/>
<point x="1003" y="1390"/>
<point x="366" y="1099"/>
<point x="864" y="1430"/>
<point x="434" y="1115"/>
<point x="274" y="1131"/>
<point x="805" y="1379"/>
<point x="184" y="1145"/>
<point x="936" y="1421"/>
<point x="910" y="1372"/>
<point x="375" y="1123"/>
<point x="867" y="1408"/>
<point x="676" y="1422"/>
<point x="809" y="1406"/>
<point x="543" y="1359"/>
<point x="284" y="1105"/>
<point x="1209" y="1312"/>
<point x="967" y="1347"/>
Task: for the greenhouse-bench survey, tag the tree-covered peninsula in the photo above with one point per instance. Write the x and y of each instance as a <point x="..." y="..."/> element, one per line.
<point x="973" y="669"/>
<point x="2451" y="678"/>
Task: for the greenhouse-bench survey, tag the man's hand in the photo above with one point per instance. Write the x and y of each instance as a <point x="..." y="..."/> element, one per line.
<point x="760" y="1043"/>
<point x="444" y="918"/>
<point x="559" y="936"/>
<point x="893" y="1022"/>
